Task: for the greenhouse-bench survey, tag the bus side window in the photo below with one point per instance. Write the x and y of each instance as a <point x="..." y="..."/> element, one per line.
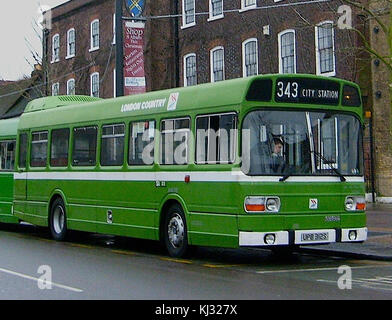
<point x="7" y="155"/>
<point x="175" y="141"/>
<point x="39" y="149"/>
<point x="22" y="150"/>
<point x="84" y="146"/>
<point x="141" y="143"/>
<point x="216" y="138"/>
<point x="59" y="148"/>
<point x="112" y="145"/>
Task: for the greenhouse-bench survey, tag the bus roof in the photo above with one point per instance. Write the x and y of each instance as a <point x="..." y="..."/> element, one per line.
<point x="8" y="127"/>
<point x="76" y="109"/>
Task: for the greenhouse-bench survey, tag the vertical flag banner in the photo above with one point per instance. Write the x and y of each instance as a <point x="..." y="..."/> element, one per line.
<point x="134" y="76"/>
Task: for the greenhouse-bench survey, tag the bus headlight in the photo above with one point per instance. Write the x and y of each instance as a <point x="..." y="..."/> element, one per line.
<point x="273" y="204"/>
<point x="355" y="203"/>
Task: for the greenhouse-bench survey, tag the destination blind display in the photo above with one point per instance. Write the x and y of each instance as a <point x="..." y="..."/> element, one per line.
<point x="299" y="90"/>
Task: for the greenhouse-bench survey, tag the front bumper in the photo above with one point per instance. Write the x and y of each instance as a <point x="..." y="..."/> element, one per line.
<point x="302" y="237"/>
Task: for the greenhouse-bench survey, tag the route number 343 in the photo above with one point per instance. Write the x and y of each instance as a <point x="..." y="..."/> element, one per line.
<point x="288" y="91"/>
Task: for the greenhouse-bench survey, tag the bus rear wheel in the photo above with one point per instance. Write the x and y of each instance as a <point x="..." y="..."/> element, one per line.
<point x="175" y="232"/>
<point x="58" y="220"/>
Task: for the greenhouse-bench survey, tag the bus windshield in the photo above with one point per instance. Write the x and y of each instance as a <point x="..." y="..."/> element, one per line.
<point x="301" y="143"/>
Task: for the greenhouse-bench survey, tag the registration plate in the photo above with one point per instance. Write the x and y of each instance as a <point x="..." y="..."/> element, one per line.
<point x="315" y="236"/>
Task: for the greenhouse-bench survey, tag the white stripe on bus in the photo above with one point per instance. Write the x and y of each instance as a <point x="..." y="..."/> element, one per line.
<point x="195" y="176"/>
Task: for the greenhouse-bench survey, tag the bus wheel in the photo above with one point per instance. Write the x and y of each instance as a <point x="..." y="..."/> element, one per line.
<point x="176" y="235"/>
<point x="58" y="220"/>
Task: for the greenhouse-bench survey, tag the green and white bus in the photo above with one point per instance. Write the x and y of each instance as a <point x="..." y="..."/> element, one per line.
<point x="8" y="128"/>
<point x="270" y="161"/>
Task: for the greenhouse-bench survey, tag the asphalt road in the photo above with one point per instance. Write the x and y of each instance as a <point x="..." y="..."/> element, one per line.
<point x="90" y="266"/>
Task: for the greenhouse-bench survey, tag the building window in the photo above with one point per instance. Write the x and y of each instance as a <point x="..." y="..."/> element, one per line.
<point x="55" y="89"/>
<point x="56" y="48"/>
<point x="188" y="13"/>
<point x="216" y="9"/>
<point x="71" y="43"/>
<point x="71" y="87"/>
<point x="94" y="84"/>
<point x="325" y="51"/>
<point x="190" y="76"/>
<point x="94" y="35"/>
<point x="250" y="58"/>
<point x="287" y="58"/>
<point x="217" y="64"/>
<point x="248" y="4"/>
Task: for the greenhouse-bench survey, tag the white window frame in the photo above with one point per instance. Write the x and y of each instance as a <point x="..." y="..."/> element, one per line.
<point x="185" y="68"/>
<point x="91" y="84"/>
<point x="211" y="14"/>
<point x="243" y="56"/>
<point x="191" y="24"/>
<point x="212" y="63"/>
<point x="54" y="86"/>
<point x="69" y="54"/>
<point x="244" y="7"/>
<point x="69" y="86"/>
<point x="54" y="57"/>
<point x="280" y="34"/>
<point x="92" y="47"/>
<point x="318" y="67"/>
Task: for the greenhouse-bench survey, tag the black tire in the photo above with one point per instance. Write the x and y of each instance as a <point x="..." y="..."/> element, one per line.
<point x="175" y="232"/>
<point x="58" y="220"/>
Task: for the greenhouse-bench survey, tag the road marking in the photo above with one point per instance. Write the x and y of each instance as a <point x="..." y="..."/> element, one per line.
<point x="128" y="253"/>
<point x="25" y="276"/>
<point x="311" y="269"/>
<point x="209" y="265"/>
<point x="377" y="283"/>
<point x="177" y="260"/>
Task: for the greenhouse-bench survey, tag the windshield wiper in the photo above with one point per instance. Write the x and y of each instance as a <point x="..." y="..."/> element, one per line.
<point x="342" y="178"/>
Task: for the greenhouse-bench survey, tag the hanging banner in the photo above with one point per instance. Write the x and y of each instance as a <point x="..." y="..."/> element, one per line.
<point x="134" y="76"/>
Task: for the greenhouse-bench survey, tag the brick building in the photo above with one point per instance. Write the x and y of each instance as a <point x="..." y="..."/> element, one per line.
<point x="79" y="49"/>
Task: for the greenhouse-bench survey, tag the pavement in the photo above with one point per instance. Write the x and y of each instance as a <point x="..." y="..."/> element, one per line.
<point x="378" y="245"/>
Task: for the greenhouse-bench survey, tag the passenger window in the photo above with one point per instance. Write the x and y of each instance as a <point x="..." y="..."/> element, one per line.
<point x="39" y="149"/>
<point x="112" y="145"/>
<point x="84" y="146"/>
<point x="216" y="138"/>
<point x="141" y="143"/>
<point x="7" y="155"/>
<point x="174" y="141"/>
<point x="59" y="148"/>
<point x="22" y="150"/>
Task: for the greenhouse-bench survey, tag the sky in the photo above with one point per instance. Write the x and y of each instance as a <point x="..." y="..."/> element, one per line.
<point x="17" y="36"/>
